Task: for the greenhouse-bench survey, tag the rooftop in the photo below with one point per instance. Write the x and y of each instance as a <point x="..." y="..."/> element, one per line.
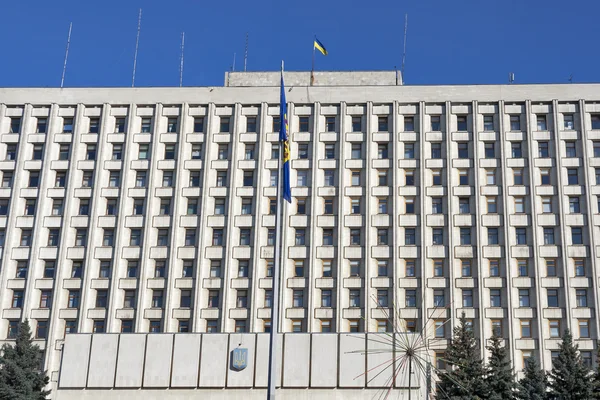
<point x="321" y="78"/>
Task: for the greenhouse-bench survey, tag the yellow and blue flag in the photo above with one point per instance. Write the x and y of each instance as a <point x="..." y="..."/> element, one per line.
<point x="285" y="141"/>
<point x="319" y="46"/>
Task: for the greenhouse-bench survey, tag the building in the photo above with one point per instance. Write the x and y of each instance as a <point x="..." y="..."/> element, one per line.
<point x="152" y="209"/>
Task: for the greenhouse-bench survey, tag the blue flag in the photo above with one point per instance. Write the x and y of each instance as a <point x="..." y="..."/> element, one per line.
<point x="285" y="142"/>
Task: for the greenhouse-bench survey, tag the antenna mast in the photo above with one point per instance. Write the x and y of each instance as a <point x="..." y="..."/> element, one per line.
<point x="246" y="53"/>
<point x="404" y="52"/>
<point x="181" y="60"/>
<point x="137" y="44"/>
<point x="62" y="80"/>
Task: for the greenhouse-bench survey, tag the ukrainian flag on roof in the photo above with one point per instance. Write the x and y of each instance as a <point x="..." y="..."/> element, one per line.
<point x="319" y="46"/>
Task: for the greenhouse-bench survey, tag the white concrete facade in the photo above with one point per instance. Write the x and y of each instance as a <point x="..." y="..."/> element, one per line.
<point x="491" y="192"/>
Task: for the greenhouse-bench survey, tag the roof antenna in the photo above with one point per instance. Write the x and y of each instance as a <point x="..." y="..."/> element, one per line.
<point x="233" y="65"/>
<point x="511" y="78"/>
<point x="181" y="60"/>
<point x="571" y="78"/>
<point x="62" y="80"/>
<point x="404" y="52"/>
<point x="137" y="43"/>
<point x="246" y="53"/>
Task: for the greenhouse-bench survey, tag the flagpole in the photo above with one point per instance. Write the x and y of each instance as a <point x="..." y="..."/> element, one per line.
<point x="276" y="276"/>
<point x="312" y="70"/>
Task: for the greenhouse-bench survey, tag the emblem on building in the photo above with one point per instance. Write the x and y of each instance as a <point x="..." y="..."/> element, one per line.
<point x="239" y="359"/>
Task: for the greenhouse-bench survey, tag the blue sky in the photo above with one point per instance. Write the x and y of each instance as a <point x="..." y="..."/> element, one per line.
<point x="449" y="42"/>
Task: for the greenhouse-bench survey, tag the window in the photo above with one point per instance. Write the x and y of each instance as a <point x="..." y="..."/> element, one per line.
<point x="581" y="297"/>
<point x="326" y="266"/>
<point x="436" y="125"/>
<point x="140" y="179"/>
<point x="409" y="236"/>
<point x="73" y="301"/>
<point x="356" y="124"/>
<point x="119" y="125"/>
<point x="574" y="205"/>
<point x="251" y="124"/>
<point x="382" y="123"/>
<point x="213" y="298"/>
<point x="223" y="152"/>
<point x="439" y="326"/>
<point x="438" y="268"/>
<point x="101" y="298"/>
<point x="548" y="235"/>
<point x="274" y="151"/>
<point x="194" y="178"/>
<point x="461" y="123"/>
<point x="217" y="237"/>
<point x="302" y="178"/>
<point x="541" y="123"/>
<point x="135" y="238"/>
<point x="518" y="176"/>
<point x="41" y="330"/>
<point x="519" y="205"/>
<point x="576" y="235"/>
<point x="303" y="151"/>
<point x="579" y="268"/>
<point x="438" y="236"/>
<point x="356" y="151"/>
<point x="211" y="326"/>
<point x="354" y="268"/>
<point x="90" y="152"/>
<point x="38" y="152"/>
<point x="224" y="125"/>
<point x="409" y="124"/>
<point x="521" y="236"/>
<point x="355" y="237"/>
<point x="436" y="150"/>
<point x="515" y="122"/>
<point x="464" y="205"/>
<point x="409" y="268"/>
<point x="245" y="237"/>
<point x="488" y="123"/>
<point x="568" y="123"/>
<point x="49" y="269"/>
<point x="543" y="150"/>
<point x="494" y="268"/>
<point x="463" y="177"/>
<point x="249" y="151"/>
<point x="409" y="151"/>
<point x="570" y="149"/>
<point x="94" y="125"/>
<point x="524" y="298"/>
<point x="436" y="205"/>
<point x="490" y="175"/>
<point x="268" y="298"/>
<point x="196" y="151"/>
<point x="325" y="298"/>
<point x="465" y="236"/>
<point x="248" y="178"/>
<point x="269" y="268"/>
<point x="41" y="127"/>
<point x="489" y="150"/>
<point x="300" y="237"/>
<point x="382" y="205"/>
<point x="67" y="125"/>
<point x="298" y="298"/>
<point x="522" y="268"/>
<point x="493" y="236"/>
<point x="22" y="267"/>
<point x="584" y="328"/>
<point x="382" y="237"/>
<point x="382" y="151"/>
<point x="242" y="299"/>
<point x="11" y="152"/>
<point x="463" y="150"/>
<point x="382" y="176"/>
<point x="439" y="299"/>
<point x="382" y="298"/>
<point x="492" y="205"/>
<point x="354" y="205"/>
<point x="354" y="297"/>
<point x="163" y="237"/>
<point x="409" y="176"/>
<point x="467" y="298"/>
<point x="572" y="176"/>
<point x="303" y="124"/>
<point x="554" y="328"/>
<point x="516" y="150"/>
<point x="219" y="206"/>
<point x="495" y="299"/>
<point x="327" y="237"/>
<point x="382" y="267"/>
<point x="329" y="177"/>
<point x="26" y="237"/>
<point x="222" y="178"/>
<point x="355" y="178"/>
<point x="552" y="297"/>
<point x="7" y="179"/>
<point x="525" y="328"/>
<point x="547" y="204"/>
<point x="410" y="298"/>
<point x="299" y="268"/>
<point x="34" y="179"/>
<point x="330" y="124"/>
<point x="466" y="268"/>
<point x="169" y="152"/>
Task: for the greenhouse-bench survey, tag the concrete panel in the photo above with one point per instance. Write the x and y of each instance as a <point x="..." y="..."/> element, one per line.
<point x="296" y="358"/>
<point x="76" y="355"/>
<point x="262" y="360"/>
<point x="245" y="377"/>
<point x="130" y="361"/>
<point x="186" y="361"/>
<point x="103" y="361"/>
<point x="324" y="356"/>
<point x="213" y="360"/>
<point x="352" y="359"/>
<point x="157" y="370"/>
<point x="380" y="359"/>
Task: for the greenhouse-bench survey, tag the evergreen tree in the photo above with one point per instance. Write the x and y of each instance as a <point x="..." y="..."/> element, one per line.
<point x="534" y="384"/>
<point x="500" y="377"/>
<point x="570" y="379"/>
<point x="20" y="374"/>
<point x="464" y="376"/>
<point x="596" y="376"/>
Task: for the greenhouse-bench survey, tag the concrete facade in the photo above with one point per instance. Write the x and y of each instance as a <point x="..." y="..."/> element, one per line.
<point x="149" y="210"/>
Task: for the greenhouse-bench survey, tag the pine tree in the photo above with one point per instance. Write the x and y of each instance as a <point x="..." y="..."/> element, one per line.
<point x="500" y="377"/>
<point x="464" y="377"/>
<point x="533" y="386"/>
<point x="20" y="375"/>
<point x="596" y="376"/>
<point x="570" y="379"/>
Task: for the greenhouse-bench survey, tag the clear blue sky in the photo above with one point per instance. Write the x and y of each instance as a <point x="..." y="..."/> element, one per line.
<point x="449" y="41"/>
